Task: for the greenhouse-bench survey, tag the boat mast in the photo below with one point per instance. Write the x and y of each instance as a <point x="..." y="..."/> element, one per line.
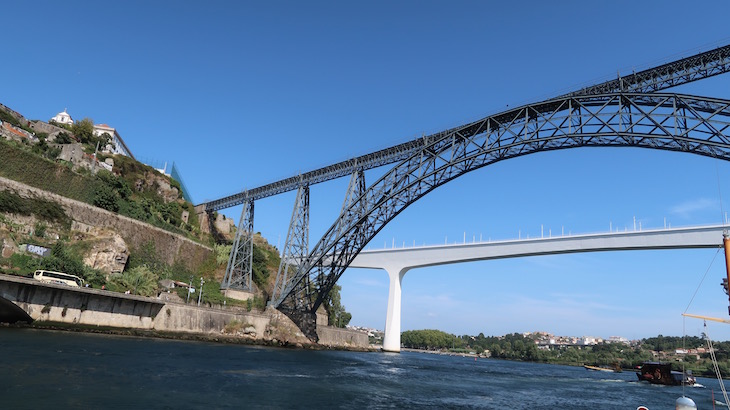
<point x="726" y="245"/>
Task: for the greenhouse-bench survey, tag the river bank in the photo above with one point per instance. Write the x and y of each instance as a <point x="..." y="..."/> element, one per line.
<point x="184" y="336"/>
<point x="58" y="306"/>
<point x="442" y="353"/>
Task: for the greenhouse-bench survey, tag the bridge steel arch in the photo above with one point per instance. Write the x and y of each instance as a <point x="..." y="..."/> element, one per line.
<point x="672" y="122"/>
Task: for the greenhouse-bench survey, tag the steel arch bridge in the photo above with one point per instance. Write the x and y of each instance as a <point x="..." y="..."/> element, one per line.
<point x="624" y="112"/>
<point x="670" y="122"/>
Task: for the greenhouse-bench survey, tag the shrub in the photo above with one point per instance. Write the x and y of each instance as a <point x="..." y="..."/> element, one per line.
<point x="62" y="260"/>
<point x="107" y="198"/>
<point x="26" y="264"/>
<point x="12" y="203"/>
<point x="40" y="230"/>
<point x="140" y="281"/>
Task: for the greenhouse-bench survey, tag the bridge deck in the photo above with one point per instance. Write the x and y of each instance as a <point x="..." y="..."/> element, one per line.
<point x="671" y="238"/>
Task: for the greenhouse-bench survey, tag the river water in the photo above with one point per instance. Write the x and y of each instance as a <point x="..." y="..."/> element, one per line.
<point x="55" y="369"/>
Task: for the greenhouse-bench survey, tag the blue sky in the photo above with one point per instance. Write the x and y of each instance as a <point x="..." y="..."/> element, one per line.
<point x="240" y="94"/>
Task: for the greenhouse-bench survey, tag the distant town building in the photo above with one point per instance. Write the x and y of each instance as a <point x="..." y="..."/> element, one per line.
<point x="589" y="340"/>
<point x="618" y="339"/>
<point x="63" y="118"/>
<point x="117" y="143"/>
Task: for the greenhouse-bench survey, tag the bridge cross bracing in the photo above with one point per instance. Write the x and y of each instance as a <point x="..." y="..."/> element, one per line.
<point x="396" y="262"/>
<point x="622" y="112"/>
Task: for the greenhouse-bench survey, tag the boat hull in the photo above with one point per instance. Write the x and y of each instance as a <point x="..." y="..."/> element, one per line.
<point x="662" y="373"/>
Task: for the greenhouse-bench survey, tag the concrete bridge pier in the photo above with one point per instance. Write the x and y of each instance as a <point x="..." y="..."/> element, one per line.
<point x="391" y="339"/>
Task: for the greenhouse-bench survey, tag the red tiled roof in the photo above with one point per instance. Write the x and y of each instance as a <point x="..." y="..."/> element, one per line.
<point x="13" y="130"/>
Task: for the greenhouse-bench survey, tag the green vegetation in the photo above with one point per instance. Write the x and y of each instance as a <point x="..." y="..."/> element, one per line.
<point x="141" y="278"/>
<point x="336" y="312"/>
<point x="519" y="347"/>
<point x="12" y="203"/>
<point x="9" y="118"/>
<point x="430" y="339"/>
<point x="222" y="252"/>
<point x="64" y="138"/>
<point x="262" y="264"/>
<point x="129" y="194"/>
<point x="84" y="132"/>
<point x="21" y="164"/>
<point x="138" y="281"/>
<point x="62" y="259"/>
<point x="234" y="326"/>
<point x="6" y="117"/>
<point x="145" y="257"/>
<point x="34" y="166"/>
<point x="44" y="150"/>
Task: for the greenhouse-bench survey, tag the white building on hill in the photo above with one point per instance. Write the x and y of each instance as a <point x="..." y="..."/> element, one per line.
<point x="63" y="118"/>
<point x="118" y="146"/>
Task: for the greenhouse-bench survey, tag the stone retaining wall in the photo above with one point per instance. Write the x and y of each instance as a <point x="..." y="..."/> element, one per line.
<point x="332" y="336"/>
<point x="170" y="247"/>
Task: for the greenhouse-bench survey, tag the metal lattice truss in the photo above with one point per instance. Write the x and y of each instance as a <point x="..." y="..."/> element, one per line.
<point x="240" y="262"/>
<point x="665" y="76"/>
<point x="348" y="215"/>
<point x="296" y="250"/>
<point x="686" y="70"/>
<point x="659" y="121"/>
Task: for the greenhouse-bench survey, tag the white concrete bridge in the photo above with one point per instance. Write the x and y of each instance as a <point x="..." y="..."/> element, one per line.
<point x="399" y="261"/>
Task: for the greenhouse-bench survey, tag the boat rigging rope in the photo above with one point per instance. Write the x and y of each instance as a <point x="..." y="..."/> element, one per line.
<point x="702" y="280"/>
<point x="723" y="217"/>
<point x="716" y="367"/>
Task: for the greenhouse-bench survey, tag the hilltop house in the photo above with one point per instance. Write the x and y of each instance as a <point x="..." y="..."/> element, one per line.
<point x="117" y="143"/>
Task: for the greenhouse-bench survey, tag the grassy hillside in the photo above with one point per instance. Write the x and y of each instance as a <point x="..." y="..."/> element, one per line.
<point x="19" y="163"/>
<point x="133" y="191"/>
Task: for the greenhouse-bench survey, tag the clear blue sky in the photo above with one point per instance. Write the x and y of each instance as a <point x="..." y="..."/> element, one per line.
<point x="239" y="94"/>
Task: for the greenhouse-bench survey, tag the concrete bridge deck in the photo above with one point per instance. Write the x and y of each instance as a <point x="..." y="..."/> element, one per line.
<point x="399" y="261"/>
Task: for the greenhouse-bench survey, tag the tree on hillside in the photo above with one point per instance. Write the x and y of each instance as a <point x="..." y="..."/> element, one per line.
<point x="61" y="260"/>
<point x="84" y="130"/>
<point x="338" y="317"/>
<point x="259" y="269"/>
<point x="63" y="138"/>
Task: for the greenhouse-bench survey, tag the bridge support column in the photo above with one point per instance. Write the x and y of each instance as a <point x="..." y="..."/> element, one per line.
<point x="391" y="339"/>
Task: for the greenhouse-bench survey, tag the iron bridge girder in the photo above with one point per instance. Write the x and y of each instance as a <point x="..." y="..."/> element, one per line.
<point x="671" y="122"/>
<point x="240" y="261"/>
<point x="682" y="71"/>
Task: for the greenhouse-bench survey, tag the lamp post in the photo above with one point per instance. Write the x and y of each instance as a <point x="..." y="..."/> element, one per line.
<point x="189" y="287"/>
<point x="200" y="295"/>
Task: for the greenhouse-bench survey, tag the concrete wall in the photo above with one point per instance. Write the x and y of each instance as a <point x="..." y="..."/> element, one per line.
<point x="170" y="247"/>
<point x="176" y="317"/>
<point x="60" y="303"/>
<point x="93" y="307"/>
<point x="85" y="306"/>
<point x="332" y="336"/>
<point x="40" y="126"/>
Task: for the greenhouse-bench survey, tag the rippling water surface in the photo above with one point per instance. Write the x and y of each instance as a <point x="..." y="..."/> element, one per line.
<point x="49" y="369"/>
